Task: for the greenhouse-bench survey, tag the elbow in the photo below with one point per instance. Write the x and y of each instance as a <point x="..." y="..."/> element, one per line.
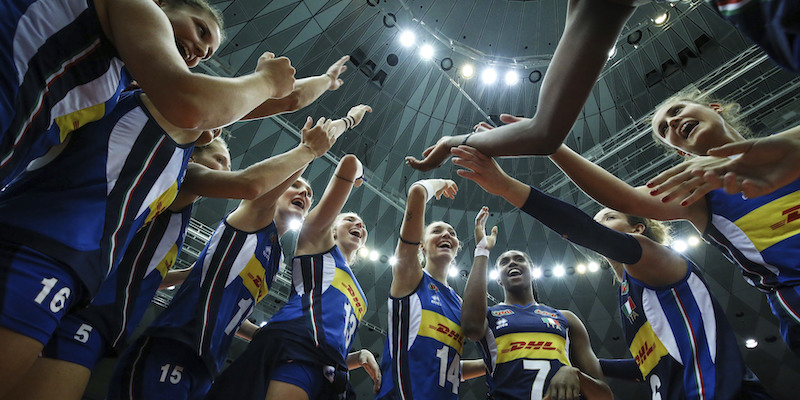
<point x="184" y="113"/>
<point x="417" y="191"/>
<point x="541" y="141"/>
<point x="292" y="102"/>
<point x="472" y="331"/>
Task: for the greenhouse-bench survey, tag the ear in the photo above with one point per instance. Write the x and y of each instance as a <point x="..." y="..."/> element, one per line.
<point x="639" y="229"/>
<point x="716" y="107"/>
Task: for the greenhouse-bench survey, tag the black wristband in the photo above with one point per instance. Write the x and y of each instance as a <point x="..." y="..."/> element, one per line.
<point x="408" y="242"/>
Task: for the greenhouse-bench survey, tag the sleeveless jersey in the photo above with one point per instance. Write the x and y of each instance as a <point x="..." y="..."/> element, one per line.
<point x="761" y="235"/>
<point x="681" y="339"/>
<point x="524" y="347"/>
<point x="422" y="355"/>
<point x="233" y="272"/>
<point x="59" y="73"/>
<point x="326" y="304"/>
<point x="83" y="205"/>
<point x="123" y="298"/>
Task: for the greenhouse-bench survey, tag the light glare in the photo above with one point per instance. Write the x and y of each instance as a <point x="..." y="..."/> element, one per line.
<point x="512" y="78"/>
<point x="295" y="224"/>
<point x="363" y="252"/>
<point x="680" y="246"/>
<point x="467" y="71"/>
<point x="581" y="269"/>
<point x="489" y="76"/>
<point x="453" y="272"/>
<point x="751" y="343"/>
<point x="493" y="274"/>
<point x="407" y="38"/>
<point x="536" y="273"/>
<point x="374" y="255"/>
<point x="661" y="19"/>
<point x="593" y="266"/>
<point x="392" y="260"/>
<point x="693" y="241"/>
<point x="558" y="271"/>
<point x="426" y="52"/>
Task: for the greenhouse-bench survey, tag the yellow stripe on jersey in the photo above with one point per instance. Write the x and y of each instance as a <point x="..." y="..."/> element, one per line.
<point x="439" y="327"/>
<point x="168" y="261"/>
<point x="344" y="283"/>
<point x="772" y="222"/>
<point x="74" y="120"/>
<point x="254" y="278"/>
<point x="647" y="349"/>
<point x="162" y="202"/>
<point x="531" y="345"/>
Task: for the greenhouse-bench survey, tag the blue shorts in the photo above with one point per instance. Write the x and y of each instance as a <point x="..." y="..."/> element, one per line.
<point x="76" y="341"/>
<point x="785" y="304"/>
<point x="36" y="291"/>
<point x="156" y="368"/>
<point x="308" y="377"/>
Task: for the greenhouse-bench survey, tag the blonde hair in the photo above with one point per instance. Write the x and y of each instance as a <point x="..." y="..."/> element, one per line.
<point x="202" y="5"/>
<point x="657" y="231"/>
<point x="730" y="113"/>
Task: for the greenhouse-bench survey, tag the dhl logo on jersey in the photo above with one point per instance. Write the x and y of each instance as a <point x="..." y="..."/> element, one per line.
<point x="546" y="313"/>
<point x="253" y="277"/>
<point x="647" y="349"/>
<point x="500" y="313"/>
<point x="772" y="222"/>
<point x="441" y="328"/>
<point x="162" y="202"/>
<point x="343" y="282"/>
<point x="521" y="345"/>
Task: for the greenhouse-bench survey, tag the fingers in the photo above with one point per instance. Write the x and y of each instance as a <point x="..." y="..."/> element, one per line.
<point x="731" y="148"/>
<point x="664" y="176"/>
<point x="307" y="125"/>
<point x="268" y="55"/>
<point x="468" y="152"/>
<point x="510" y="119"/>
<point x="494" y="232"/>
<point x="688" y="186"/>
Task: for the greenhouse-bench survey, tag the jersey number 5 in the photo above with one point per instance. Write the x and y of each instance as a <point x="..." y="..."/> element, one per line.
<point x="542" y="369"/>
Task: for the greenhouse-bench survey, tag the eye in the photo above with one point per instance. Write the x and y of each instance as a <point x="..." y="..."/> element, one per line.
<point x="676" y="110"/>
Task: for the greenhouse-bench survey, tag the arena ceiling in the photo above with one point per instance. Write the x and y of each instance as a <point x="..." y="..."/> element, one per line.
<point x="416" y="101"/>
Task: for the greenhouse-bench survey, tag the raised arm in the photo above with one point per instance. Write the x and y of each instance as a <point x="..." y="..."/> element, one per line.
<point x="645" y="260"/>
<point x="175" y="277"/>
<point x="316" y="235"/>
<point x="365" y="359"/>
<point x="592" y="28"/>
<point x="472" y="369"/>
<point x="144" y="38"/>
<point x="407" y="272"/>
<point x="305" y="92"/>
<point x="473" y="310"/>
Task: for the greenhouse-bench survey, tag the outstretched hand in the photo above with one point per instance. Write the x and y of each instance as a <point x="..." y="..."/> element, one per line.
<point x="480" y="169"/>
<point x="279" y="73"/>
<point x="480" y="229"/>
<point x="686" y="179"/>
<point x="565" y="385"/>
<point x="358" y="112"/>
<point x="367" y="360"/>
<point x="433" y="157"/>
<point x="318" y="138"/>
<point x="335" y="70"/>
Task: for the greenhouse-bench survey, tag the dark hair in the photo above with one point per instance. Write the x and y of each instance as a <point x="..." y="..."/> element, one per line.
<point x="730" y="111"/>
<point x="202" y="5"/>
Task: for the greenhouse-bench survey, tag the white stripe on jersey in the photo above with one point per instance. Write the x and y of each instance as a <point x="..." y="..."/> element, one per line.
<point x="41" y="20"/>
<point x="491" y="343"/>
<point x="213" y="243"/>
<point x="706" y="306"/>
<point x="658" y="321"/>
<point x="171" y="235"/>
<point x="739" y="239"/>
<point x="414" y="320"/>
<point x="328" y="273"/>
<point x="120" y="142"/>
<point x="171" y="174"/>
<point x="91" y="93"/>
<point x="244" y="256"/>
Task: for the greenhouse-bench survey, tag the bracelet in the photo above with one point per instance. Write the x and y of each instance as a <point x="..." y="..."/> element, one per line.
<point x="428" y="189"/>
<point x="408" y="242"/>
<point x="467" y="138"/>
<point x="349" y="121"/>
<point x="344" y="179"/>
<point x="481" y="251"/>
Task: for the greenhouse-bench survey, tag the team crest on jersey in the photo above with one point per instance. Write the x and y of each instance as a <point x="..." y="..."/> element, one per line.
<point x="551" y="323"/>
<point x="500" y="313"/>
<point x="501" y="323"/>
<point x="433" y="287"/>
<point x="546" y="313"/>
<point x="624" y="287"/>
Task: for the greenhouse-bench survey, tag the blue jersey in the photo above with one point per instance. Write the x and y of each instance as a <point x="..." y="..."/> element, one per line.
<point x="523" y="349"/>
<point x="120" y="304"/>
<point x="422" y="355"/>
<point x="326" y="303"/>
<point x="59" y="72"/>
<point x="233" y="272"/>
<point x="681" y="339"/>
<point x="83" y="205"/>
<point x="761" y="235"/>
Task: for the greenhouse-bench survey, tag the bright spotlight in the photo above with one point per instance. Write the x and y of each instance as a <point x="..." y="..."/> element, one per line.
<point x="558" y="271"/>
<point x="661" y="19"/>
<point x="407" y="38"/>
<point x="512" y="78"/>
<point x="426" y="52"/>
<point x="392" y="260"/>
<point x="536" y="273"/>
<point x="489" y="76"/>
<point x="261" y="325"/>
<point x="453" y="272"/>
<point x="612" y="52"/>
<point x="467" y="71"/>
<point x="363" y="252"/>
<point x="693" y="241"/>
<point x="374" y="255"/>
<point x="679" y="245"/>
<point x="295" y="224"/>
<point x="581" y="269"/>
<point x="751" y="343"/>
<point x="171" y="287"/>
<point x="493" y="274"/>
<point x="593" y="266"/>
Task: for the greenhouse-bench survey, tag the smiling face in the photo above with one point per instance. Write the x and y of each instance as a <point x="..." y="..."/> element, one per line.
<point x="440" y="243"/>
<point x="349" y="232"/>
<point x="197" y="34"/>
<point x="514" y="271"/>
<point x="295" y="202"/>
<point x="692" y="128"/>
